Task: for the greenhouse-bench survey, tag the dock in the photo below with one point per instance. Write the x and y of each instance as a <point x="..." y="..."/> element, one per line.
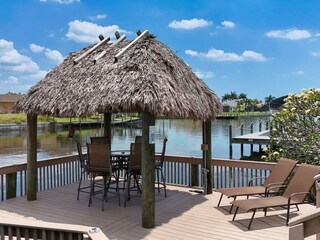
<point x="260" y="138"/>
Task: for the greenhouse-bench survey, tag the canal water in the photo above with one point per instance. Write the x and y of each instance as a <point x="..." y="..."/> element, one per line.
<point x="184" y="138"/>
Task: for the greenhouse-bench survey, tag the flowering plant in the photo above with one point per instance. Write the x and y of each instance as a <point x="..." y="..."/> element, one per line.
<point x="296" y="129"/>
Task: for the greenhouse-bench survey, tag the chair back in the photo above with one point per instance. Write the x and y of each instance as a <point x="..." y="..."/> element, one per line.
<point x="163" y="152"/>
<point x="281" y="171"/>
<point x="99" y="140"/>
<point x="99" y="157"/>
<point x="302" y="181"/>
<point x="135" y="155"/>
<point x="138" y="139"/>
<point x="80" y="155"/>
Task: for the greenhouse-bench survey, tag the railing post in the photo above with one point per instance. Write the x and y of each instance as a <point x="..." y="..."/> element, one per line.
<point x="260" y="129"/>
<point x="241" y="145"/>
<point x="11" y="185"/>
<point x="317" y="181"/>
<point x="230" y="142"/>
<point x="251" y="131"/>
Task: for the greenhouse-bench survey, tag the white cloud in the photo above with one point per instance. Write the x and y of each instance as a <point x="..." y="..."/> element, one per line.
<point x="189" y="24"/>
<point x="220" y="56"/>
<point x="299" y="73"/>
<point x="192" y="53"/>
<point x="228" y="24"/>
<point x="12" y="61"/>
<point x="53" y="55"/>
<point x="290" y="34"/>
<point x="98" y="17"/>
<point x="61" y="1"/>
<point x="315" y="54"/>
<point x="36" y="48"/>
<point x="88" y="32"/>
<point x="34" y="77"/>
<point x="12" y="80"/>
<point x="204" y="75"/>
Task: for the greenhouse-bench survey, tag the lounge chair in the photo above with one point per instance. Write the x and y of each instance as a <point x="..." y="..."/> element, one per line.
<point x="275" y="180"/>
<point x="296" y="193"/>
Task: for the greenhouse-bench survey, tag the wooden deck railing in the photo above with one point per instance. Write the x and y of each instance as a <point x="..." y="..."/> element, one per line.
<point x="179" y="170"/>
<point x="33" y="229"/>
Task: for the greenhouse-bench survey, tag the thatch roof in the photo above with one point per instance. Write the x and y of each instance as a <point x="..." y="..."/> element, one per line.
<point x="149" y="76"/>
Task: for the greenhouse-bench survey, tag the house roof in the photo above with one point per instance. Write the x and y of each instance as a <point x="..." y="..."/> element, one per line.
<point x="148" y="76"/>
<point x="10" y="98"/>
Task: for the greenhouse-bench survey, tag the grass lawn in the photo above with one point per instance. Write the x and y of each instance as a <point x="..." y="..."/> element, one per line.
<point x="18" y="118"/>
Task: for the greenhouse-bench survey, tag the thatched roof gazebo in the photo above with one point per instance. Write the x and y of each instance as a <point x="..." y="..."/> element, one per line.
<point x="142" y="76"/>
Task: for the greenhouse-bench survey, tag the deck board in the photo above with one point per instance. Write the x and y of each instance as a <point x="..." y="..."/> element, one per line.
<point x="182" y="215"/>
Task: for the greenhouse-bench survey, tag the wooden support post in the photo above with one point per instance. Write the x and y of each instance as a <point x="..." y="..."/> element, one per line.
<point x="206" y="137"/>
<point x="11" y="185"/>
<point x="230" y="142"/>
<point x="241" y="145"/>
<point x="251" y="131"/>
<point x="32" y="157"/>
<point x="260" y="129"/>
<point x="148" y="172"/>
<point x="194" y="175"/>
<point x="107" y="126"/>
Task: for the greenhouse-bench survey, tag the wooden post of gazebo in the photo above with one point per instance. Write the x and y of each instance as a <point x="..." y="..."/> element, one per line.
<point x="206" y="137"/>
<point x="148" y="175"/>
<point x="32" y="157"/>
<point x="107" y="126"/>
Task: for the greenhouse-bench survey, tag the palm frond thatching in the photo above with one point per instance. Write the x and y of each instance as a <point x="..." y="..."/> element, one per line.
<point x="149" y="76"/>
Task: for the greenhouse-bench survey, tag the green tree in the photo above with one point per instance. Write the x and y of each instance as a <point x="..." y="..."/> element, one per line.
<point x="296" y="128"/>
<point x="242" y="96"/>
<point x="269" y="99"/>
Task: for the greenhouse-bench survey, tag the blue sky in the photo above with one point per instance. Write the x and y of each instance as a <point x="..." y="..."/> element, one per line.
<point x="257" y="47"/>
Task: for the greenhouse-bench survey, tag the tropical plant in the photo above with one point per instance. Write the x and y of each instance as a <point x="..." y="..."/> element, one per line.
<point x="242" y="96"/>
<point x="269" y="99"/>
<point x="296" y="129"/>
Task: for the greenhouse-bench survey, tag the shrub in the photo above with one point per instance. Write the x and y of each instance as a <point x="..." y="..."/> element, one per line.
<point x="296" y="128"/>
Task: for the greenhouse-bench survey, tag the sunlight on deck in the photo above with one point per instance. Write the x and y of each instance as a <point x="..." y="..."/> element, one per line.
<point x="182" y="215"/>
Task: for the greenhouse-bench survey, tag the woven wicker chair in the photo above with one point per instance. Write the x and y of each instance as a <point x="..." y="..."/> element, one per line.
<point x="134" y="170"/>
<point x="159" y="169"/>
<point x="83" y="171"/>
<point x="99" y="164"/>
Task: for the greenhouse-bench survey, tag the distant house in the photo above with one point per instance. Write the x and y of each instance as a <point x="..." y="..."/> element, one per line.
<point x="7" y="101"/>
<point x="275" y="105"/>
<point x="229" y="105"/>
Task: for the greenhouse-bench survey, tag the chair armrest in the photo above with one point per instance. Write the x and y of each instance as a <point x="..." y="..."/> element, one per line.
<point x="272" y="186"/>
<point x="254" y="178"/>
<point x="299" y="193"/>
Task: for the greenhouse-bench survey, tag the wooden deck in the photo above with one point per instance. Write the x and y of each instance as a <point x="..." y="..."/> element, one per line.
<point x="182" y="215"/>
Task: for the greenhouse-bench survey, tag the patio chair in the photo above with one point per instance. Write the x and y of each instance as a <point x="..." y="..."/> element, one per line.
<point x="83" y="170"/>
<point x="99" y="164"/>
<point x="99" y="140"/>
<point x="296" y="193"/>
<point x="272" y="184"/>
<point x="159" y="168"/>
<point x="138" y="139"/>
<point x="134" y="170"/>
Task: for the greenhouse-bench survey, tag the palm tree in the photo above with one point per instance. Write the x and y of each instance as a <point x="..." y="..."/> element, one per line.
<point x="233" y="95"/>
<point x="242" y="96"/>
<point x="269" y="99"/>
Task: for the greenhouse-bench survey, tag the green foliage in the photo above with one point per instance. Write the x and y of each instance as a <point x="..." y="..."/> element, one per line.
<point x="296" y="128"/>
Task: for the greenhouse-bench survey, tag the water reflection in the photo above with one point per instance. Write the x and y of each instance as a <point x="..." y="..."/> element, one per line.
<point x="184" y="136"/>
